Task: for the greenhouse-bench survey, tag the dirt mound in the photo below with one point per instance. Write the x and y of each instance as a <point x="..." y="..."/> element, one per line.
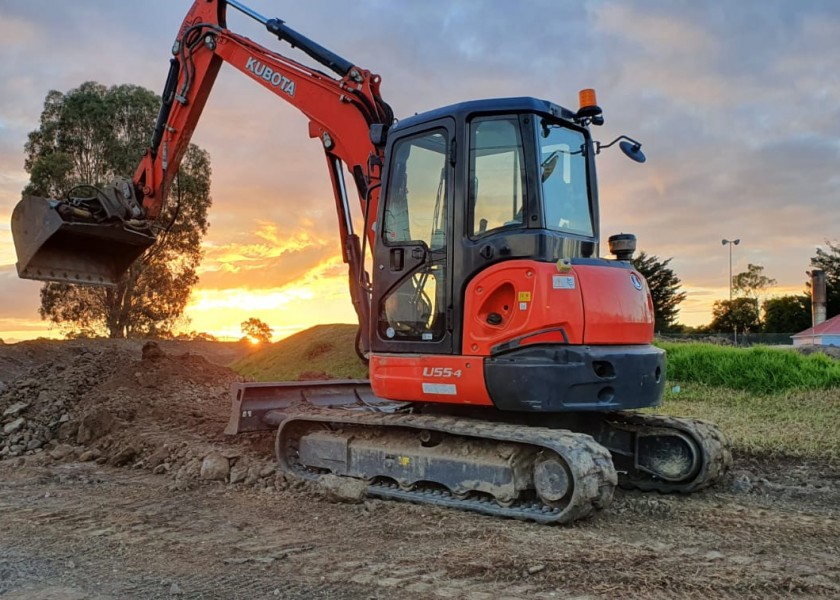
<point x="124" y="407"/>
<point x="44" y="398"/>
<point x="832" y="351"/>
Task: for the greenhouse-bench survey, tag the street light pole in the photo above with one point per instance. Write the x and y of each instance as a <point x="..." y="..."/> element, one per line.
<point x="724" y="243"/>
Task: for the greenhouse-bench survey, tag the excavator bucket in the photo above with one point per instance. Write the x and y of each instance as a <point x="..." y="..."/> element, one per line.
<point x="52" y="245"/>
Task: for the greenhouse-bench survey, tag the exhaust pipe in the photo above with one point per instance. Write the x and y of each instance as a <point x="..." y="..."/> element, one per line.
<point x="817" y="297"/>
<point x="66" y="242"/>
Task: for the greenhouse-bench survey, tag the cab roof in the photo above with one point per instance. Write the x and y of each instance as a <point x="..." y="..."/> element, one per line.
<point x="463" y="110"/>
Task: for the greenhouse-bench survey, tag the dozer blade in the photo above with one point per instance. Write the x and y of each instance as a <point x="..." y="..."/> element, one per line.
<point x="261" y="406"/>
<point x="51" y="247"/>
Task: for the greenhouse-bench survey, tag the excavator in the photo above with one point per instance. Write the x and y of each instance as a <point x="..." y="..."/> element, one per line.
<point x="507" y="359"/>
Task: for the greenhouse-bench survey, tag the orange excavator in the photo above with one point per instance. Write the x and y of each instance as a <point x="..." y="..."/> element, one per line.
<point x="505" y="355"/>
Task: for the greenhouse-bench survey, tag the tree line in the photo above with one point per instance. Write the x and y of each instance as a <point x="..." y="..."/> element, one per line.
<point x="745" y="312"/>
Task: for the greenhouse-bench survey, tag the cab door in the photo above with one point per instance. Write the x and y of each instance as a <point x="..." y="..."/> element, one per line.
<point x="412" y="288"/>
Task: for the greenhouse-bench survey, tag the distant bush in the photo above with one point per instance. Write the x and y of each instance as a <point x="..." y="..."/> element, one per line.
<point x="758" y="369"/>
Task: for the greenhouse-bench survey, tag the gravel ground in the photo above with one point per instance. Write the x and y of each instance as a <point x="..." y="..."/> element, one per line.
<point x="116" y="482"/>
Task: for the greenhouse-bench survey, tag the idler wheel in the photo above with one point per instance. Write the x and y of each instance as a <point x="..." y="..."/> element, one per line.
<point x="552" y="480"/>
<point x="672" y="457"/>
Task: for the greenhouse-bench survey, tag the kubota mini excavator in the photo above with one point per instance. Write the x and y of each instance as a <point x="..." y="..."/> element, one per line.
<point x="503" y="352"/>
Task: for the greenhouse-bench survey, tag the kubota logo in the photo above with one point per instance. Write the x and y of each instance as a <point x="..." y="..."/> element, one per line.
<point x="269" y="75"/>
<point x="637" y="283"/>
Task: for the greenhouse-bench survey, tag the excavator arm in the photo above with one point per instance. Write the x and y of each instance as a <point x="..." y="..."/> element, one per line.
<point x="341" y="111"/>
<point x="94" y="240"/>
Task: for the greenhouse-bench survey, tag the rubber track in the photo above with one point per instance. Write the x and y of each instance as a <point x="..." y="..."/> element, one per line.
<point x="594" y="475"/>
<point x="714" y="445"/>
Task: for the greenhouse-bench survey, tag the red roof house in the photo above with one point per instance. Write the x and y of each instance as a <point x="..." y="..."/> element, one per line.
<point x="826" y="333"/>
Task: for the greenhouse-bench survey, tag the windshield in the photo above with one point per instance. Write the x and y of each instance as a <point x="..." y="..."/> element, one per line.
<point x="564" y="182"/>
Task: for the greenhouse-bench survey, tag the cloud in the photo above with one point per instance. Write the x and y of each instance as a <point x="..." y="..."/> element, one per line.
<point x="319" y="295"/>
<point x="738" y="108"/>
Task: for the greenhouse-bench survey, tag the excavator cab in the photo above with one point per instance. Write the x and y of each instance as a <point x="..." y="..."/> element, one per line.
<point x="467" y="187"/>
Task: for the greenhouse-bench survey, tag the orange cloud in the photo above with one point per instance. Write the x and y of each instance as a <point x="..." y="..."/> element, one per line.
<point x="320" y="295"/>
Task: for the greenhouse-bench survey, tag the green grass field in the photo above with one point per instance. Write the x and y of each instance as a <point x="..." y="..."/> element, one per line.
<point x="323" y="351"/>
<point x="770" y="402"/>
<point x="760" y="370"/>
<point x="798" y="423"/>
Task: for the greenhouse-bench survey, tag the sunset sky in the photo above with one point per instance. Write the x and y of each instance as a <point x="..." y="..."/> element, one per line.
<point x="737" y="105"/>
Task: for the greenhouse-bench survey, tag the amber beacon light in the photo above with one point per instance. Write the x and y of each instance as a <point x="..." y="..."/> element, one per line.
<point x="588" y="104"/>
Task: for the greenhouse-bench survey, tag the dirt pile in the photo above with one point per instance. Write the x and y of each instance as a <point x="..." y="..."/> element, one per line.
<point x="163" y="412"/>
<point x="45" y="398"/>
<point x="808" y="349"/>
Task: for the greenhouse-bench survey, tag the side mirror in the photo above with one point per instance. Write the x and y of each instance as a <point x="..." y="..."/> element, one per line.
<point x="629" y="146"/>
<point x="633" y="151"/>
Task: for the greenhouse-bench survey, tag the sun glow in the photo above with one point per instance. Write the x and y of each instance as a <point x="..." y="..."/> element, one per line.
<point x="319" y="296"/>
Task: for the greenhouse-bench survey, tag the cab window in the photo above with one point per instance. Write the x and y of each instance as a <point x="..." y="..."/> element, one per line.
<point x="497" y="183"/>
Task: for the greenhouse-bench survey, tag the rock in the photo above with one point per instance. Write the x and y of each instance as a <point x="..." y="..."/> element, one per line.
<point x="267" y="470"/>
<point x="64" y="418"/>
<point x="45" y="397"/>
<point x="157" y="457"/>
<point x="343" y="489"/>
<point x="89" y="455"/>
<point x="278" y="483"/>
<point x="13" y="426"/>
<point x="239" y="471"/>
<point x="253" y="475"/>
<point x="124" y="456"/>
<point x="741" y="482"/>
<point x="34" y="444"/>
<point x="15" y="409"/>
<point x="151" y="351"/>
<point x="94" y="425"/>
<point x="187" y="471"/>
<point x="61" y="451"/>
<point x="174" y="589"/>
<point x="67" y="431"/>
<point x="535" y="569"/>
<point x="160" y="470"/>
<point x="215" y="467"/>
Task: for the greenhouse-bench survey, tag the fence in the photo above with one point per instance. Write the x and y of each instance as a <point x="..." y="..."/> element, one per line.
<point x="730" y="339"/>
